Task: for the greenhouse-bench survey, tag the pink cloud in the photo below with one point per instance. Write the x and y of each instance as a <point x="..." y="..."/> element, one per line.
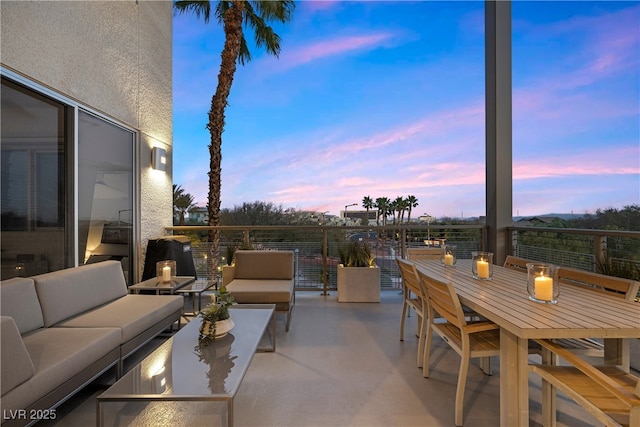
<point x="319" y="5"/>
<point x="295" y="56"/>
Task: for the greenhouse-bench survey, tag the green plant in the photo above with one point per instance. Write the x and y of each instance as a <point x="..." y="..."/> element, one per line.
<point x="231" y="252"/>
<point x="215" y="312"/>
<point x="356" y="254"/>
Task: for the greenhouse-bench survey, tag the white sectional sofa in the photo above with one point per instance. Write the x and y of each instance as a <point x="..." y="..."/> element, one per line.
<point x="61" y="330"/>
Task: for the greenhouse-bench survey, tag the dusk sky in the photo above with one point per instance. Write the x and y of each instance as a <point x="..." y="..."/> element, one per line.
<point x="386" y="99"/>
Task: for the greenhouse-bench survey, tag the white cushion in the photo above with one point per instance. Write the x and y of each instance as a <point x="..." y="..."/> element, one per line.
<point x="19" y="300"/>
<point x="66" y="293"/>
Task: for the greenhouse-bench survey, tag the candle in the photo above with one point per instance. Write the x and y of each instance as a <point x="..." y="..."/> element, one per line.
<point x="448" y="259"/>
<point x="483" y="269"/>
<point x="166" y="273"/>
<point x="543" y="289"/>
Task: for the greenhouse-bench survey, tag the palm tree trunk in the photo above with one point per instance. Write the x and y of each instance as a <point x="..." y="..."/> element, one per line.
<point x="233" y="32"/>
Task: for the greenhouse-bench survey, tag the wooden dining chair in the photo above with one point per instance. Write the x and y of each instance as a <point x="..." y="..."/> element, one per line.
<point x="599" y="283"/>
<point x="592" y="282"/>
<point x="479" y="339"/>
<point x="413" y="296"/>
<point x="423" y="253"/>
<point x="610" y="394"/>
<point x="516" y="263"/>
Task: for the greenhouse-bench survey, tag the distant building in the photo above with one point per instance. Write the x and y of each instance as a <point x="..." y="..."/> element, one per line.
<point x="198" y="215"/>
<point x="359" y="214"/>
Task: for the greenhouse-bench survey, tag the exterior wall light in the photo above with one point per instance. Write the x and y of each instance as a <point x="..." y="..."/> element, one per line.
<point x="159" y="158"/>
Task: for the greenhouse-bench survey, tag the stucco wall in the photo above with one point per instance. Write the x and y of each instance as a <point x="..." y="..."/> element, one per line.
<point x="114" y="57"/>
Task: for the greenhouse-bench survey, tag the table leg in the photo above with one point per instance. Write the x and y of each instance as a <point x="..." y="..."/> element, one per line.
<point x="514" y="380"/>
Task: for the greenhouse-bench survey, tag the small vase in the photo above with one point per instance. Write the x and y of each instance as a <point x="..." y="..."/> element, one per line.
<point x="222" y="328"/>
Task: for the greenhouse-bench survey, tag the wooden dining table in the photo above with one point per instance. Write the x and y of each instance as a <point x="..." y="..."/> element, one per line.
<point x="578" y="313"/>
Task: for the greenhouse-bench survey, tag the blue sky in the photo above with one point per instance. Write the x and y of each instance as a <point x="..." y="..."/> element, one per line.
<point x="386" y="99"/>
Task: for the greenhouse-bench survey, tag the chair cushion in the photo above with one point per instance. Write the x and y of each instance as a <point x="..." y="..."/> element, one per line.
<point x="132" y="314"/>
<point x="18" y="299"/>
<point x="57" y="355"/>
<point x="264" y="265"/>
<point x="67" y="293"/>
<point x="16" y="364"/>
<point x="261" y="291"/>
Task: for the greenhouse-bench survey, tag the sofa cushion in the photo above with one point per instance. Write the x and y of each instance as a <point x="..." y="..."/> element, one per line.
<point x="133" y="314"/>
<point x="16" y="366"/>
<point x="57" y="355"/>
<point x="18" y="299"/>
<point x="67" y="293"/>
<point x="264" y="265"/>
<point x="261" y="291"/>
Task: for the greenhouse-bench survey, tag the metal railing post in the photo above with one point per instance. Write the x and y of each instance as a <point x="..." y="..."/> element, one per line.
<point x="325" y="266"/>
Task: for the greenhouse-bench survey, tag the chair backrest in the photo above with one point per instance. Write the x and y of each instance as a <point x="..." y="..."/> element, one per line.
<point x="410" y="278"/>
<point x="624" y="288"/>
<point x="443" y="300"/>
<point x="424" y="253"/>
<point x="516" y="263"/>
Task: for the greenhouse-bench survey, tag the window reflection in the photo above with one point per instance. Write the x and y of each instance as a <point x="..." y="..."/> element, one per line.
<point x="33" y="182"/>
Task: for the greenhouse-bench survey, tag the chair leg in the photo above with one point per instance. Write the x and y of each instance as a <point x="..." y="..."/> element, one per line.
<point x="289" y="318"/>
<point x="404" y="313"/>
<point x="462" y="382"/>
<point x="485" y="365"/>
<point x="427" y="351"/>
<point x="421" y="340"/>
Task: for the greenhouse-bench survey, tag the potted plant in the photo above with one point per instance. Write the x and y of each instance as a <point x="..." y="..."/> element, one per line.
<point x="358" y="275"/>
<point x="216" y="321"/>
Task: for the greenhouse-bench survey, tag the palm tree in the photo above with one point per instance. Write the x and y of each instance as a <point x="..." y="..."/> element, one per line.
<point x="182" y="202"/>
<point x="367" y="203"/>
<point x="382" y="203"/>
<point x="412" y="202"/>
<point x="233" y="16"/>
<point x="400" y="205"/>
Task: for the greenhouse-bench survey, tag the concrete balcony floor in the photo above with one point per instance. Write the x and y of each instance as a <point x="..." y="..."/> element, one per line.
<point x="342" y="364"/>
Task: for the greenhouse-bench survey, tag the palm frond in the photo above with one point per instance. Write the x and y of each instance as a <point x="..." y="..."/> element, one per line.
<point x="199" y="8"/>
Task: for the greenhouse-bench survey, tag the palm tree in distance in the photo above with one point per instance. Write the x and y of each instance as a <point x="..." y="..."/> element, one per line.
<point x="367" y="203"/>
<point x="383" y="204"/>
<point x="233" y="16"/>
<point x="182" y="202"/>
<point x="412" y="202"/>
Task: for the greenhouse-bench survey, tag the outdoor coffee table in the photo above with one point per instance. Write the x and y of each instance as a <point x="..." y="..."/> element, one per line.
<point x="159" y="287"/>
<point x="180" y="370"/>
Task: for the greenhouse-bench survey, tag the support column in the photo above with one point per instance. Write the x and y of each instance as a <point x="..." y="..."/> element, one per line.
<point x="499" y="209"/>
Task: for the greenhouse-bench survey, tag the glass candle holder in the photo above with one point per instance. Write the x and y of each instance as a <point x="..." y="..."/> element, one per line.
<point x="482" y="265"/>
<point x="165" y="270"/>
<point x="448" y="257"/>
<point x="542" y="283"/>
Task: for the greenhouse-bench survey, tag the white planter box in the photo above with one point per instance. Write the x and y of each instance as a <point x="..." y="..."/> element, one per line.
<point x="358" y="284"/>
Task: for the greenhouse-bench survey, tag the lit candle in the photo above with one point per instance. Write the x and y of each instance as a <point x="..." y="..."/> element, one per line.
<point x="543" y="289"/>
<point x="448" y="259"/>
<point x="482" y="268"/>
<point x="166" y="274"/>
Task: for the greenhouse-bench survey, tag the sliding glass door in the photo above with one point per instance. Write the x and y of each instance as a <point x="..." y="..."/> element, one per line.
<point x="105" y="191"/>
<point x="45" y="227"/>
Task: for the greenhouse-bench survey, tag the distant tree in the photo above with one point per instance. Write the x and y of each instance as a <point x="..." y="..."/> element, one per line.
<point x="412" y="202"/>
<point x="400" y="204"/>
<point x="182" y="202"/>
<point x="367" y="203"/>
<point x="383" y="205"/>
<point x="257" y="213"/>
